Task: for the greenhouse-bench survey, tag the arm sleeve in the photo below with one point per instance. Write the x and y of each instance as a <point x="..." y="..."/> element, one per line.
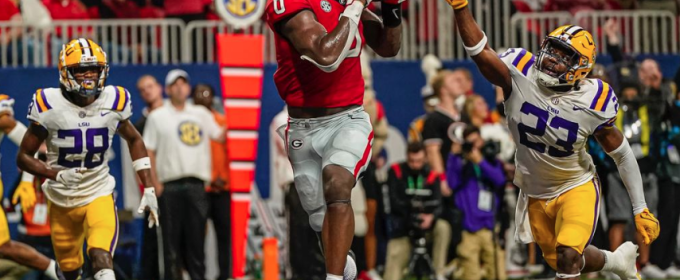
<point x="150" y="134"/>
<point x="630" y="175"/>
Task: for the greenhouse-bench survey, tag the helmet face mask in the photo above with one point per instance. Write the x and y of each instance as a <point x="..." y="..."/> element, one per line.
<point x="83" y="68"/>
<point x="87" y="79"/>
<point x="567" y="55"/>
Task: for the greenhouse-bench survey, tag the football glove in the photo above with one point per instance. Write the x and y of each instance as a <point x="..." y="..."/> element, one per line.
<point x="149" y="201"/>
<point x="70" y="177"/>
<point x="25" y="193"/>
<point x="457" y="4"/>
<point x="647" y="225"/>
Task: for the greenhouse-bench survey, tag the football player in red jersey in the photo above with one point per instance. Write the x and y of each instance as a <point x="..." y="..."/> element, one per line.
<point x="328" y="137"/>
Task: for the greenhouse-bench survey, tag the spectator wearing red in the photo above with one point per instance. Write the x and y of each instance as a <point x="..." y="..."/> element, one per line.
<point x="186" y="10"/>
<point x="575" y="6"/>
<point x="66" y="9"/>
<point x="119" y="9"/>
<point x="151" y="11"/>
<point x="9" y="10"/>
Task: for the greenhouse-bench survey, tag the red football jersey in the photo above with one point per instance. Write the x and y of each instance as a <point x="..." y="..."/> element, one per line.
<point x="301" y="83"/>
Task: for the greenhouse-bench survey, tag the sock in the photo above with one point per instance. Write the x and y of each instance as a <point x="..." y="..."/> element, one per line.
<point x="333" y="277"/>
<point x="51" y="271"/>
<point x="105" y="274"/>
<point x="609" y="260"/>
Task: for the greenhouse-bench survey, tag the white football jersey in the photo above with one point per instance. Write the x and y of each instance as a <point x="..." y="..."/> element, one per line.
<point x="79" y="137"/>
<point x="551" y="129"/>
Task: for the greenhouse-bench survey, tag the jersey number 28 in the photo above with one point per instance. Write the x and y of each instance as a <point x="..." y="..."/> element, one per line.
<point x="77" y="149"/>
<point x="539" y="130"/>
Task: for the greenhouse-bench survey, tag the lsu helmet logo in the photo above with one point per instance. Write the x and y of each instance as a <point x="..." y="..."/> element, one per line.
<point x="240" y="13"/>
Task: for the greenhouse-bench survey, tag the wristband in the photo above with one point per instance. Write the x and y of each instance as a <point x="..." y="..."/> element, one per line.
<point x="17" y="133"/>
<point x="472" y="51"/>
<point x="391" y="14"/>
<point x="141" y="164"/>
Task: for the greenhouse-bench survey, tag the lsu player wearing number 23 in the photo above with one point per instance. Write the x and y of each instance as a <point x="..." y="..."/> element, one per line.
<point x="552" y="109"/>
<point x="78" y="121"/>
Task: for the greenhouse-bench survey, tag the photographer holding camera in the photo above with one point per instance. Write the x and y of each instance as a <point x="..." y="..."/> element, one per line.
<point x="476" y="176"/>
<point x="416" y="203"/>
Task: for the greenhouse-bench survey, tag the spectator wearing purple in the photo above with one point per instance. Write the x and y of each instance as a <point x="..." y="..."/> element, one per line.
<point x="476" y="176"/>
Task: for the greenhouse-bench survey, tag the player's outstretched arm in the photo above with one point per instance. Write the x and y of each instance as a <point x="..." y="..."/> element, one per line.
<point x="384" y="37"/>
<point x="142" y="165"/>
<point x="615" y="144"/>
<point x="34" y="137"/>
<point x="474" y="41"/>
<point x="315" y="44"/>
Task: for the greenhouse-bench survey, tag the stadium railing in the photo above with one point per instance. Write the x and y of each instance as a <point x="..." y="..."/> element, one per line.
<point x="641" y="31"/>
<point x="429" y="27"/>
<point x="125" y="42"/>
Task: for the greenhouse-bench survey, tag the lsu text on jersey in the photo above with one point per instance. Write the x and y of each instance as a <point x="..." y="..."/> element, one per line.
<point x="560" y="192"/>
<point x="78" y="137"/>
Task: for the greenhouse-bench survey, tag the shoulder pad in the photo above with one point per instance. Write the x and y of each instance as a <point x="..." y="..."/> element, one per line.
<point x="602" y="96"/>
<point x="41" y="100"/>
<point x="518" y="58"/>
<point x="120" y="97"/>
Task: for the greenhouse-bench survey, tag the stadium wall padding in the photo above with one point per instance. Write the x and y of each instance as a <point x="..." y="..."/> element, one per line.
<point x="397" y="84"/>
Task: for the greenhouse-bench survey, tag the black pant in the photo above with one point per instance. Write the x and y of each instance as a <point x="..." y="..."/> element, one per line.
<point x="149" y="261"/>
<point x="663" y="249"/>
<point x="184" y="211"/>
<point x="306" y="260"/>
<point x="219" y="214"/>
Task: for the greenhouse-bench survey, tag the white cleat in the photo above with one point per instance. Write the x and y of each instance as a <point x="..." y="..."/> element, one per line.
<point x="350" y="272"/>
<point x="625" y="267"/>
<point x="673" y="272"/>
<point x="651" y="271"/>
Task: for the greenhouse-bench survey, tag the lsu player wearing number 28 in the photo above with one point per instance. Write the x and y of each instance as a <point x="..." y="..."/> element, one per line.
<point x="78" y="122"/>
<point x="552" y="108"/>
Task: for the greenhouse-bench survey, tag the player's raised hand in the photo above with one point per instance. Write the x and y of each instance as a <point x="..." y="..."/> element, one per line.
<point x="71" y="176"/>
<point x="647" y="225"/>
<point x="149" y="201"/>
<point x="457" y="4"/>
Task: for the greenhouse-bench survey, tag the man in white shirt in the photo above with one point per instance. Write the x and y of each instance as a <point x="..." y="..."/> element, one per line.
<point x="177" y="138"/>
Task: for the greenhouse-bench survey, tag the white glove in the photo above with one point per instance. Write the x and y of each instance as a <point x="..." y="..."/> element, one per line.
<point x="149" y="200"/>
<point x="70" y="177"/>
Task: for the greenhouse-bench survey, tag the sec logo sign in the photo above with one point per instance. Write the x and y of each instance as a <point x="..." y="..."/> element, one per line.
<point x="240" y="13"/>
